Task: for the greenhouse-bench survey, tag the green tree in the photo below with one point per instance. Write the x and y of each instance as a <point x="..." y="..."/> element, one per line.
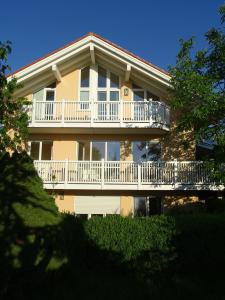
<point x="198" y="82"/>
<point x="13" y="115"/>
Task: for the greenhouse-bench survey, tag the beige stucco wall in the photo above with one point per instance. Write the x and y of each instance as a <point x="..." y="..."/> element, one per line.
<point x="68" y="88"/>
<point x="66" y="205"/>
<point x="126" y="205"/>
<point x="63" y="149"/>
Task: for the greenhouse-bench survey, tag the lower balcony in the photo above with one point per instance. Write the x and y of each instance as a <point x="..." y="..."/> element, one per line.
<point x="126" y="175"/>
<point x="99" y="115"/>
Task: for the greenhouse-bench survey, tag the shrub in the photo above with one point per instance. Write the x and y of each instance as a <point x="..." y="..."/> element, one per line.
<point x="143" y="244"/>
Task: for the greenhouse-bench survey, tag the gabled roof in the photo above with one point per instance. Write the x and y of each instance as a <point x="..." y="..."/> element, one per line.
<point x="100" y="44"/>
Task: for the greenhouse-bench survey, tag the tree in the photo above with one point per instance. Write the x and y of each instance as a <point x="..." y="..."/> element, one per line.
<point x="198" y="82"/>
<point x="13" y="115"/>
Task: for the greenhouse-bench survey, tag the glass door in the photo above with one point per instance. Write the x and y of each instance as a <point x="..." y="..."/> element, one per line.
<point x="108" y="95"/>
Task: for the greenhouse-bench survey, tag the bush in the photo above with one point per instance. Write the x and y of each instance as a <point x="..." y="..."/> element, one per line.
<point x="143" y="244"/>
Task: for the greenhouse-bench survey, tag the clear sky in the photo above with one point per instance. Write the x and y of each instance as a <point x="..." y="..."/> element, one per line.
<point x="150" y="29"/>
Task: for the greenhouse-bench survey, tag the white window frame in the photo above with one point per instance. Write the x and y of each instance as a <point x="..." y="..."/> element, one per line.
<point x="85" y="89"/>
<point x="40" y="147"/>
<point x="145" y="93"/>
<point x="108" y="89"/>
<point x="91" y="145"/>
<point x="45" y="93"/>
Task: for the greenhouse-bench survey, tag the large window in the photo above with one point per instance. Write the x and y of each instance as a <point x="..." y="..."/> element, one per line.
<point x="141" y="94"/>
<point x="147" y="206"/>
<point x="108" y="85"/>
<point x="97" y="150"/>
<point x="41" y="150"/>
<point x="146" y="150"/>
<point x="85" y="87"/>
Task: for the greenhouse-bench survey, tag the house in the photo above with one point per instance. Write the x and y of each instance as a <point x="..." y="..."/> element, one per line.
<point x="102" y="134"/>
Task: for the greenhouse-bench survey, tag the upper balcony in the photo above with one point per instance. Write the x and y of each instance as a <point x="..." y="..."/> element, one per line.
<point x="131" y="117"/>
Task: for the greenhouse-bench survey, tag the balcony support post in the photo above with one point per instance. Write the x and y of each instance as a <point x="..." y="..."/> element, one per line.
<point x="33" y="111"/>
<point x="139" y="176"/>
<point x="66" y="172"/>
<point x="92" y="112"/>
<point x="175" y="173"/>
<point x="150" y="112"/>
<point x="102" y="173"/>
<point x="121" y="112"/>
<point x="63" y="112"/>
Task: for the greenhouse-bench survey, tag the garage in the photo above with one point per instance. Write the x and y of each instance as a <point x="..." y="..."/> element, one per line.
<point x="101" y="205"/>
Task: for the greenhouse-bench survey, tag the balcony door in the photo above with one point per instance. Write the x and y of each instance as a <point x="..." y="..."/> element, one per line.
<point x="44" y="103"/>
<point x="107" y="95"/>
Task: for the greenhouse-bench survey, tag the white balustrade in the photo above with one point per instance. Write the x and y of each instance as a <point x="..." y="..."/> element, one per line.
<point x="151" y="112"/>
<point x="124" y="172"/>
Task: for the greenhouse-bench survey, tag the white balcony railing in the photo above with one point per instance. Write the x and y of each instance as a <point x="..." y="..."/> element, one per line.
<point x="124" y="174"/>
<point x="150" y="114"/>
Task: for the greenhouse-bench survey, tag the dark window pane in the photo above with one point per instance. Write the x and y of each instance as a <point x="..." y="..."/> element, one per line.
<point x="85" y="77"/>
<point x="146" y="151"/>
<point x="34" y="151"/>
<point x="101" y="77"/>
<point x="152" y="97"/>
<point x="153" y="151"/>
<point x="140" y="206"/>
<point x="139" y="151"/>
<point x="101" y="96"/>
<point x="84" y="150"/>
<point x="114" y="96"/>
<point x="138" y="95"/>
<point x="114" y="81"/>
<point x="98" y="150"/>
<point x="113" y="151"/>
<point x="50" y="95"/>
<point x="46" y="151"/>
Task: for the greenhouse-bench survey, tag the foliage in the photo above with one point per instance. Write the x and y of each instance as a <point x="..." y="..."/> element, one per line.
<point x="13" y="116"/>
<point x="198" y="82"/>
<point x="145" y="244"/>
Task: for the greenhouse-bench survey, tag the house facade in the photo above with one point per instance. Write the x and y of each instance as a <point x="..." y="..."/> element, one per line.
<point x="102" y="134"/>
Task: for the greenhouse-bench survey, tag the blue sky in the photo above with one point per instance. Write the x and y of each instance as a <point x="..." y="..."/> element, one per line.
<point x="150" y="29"/>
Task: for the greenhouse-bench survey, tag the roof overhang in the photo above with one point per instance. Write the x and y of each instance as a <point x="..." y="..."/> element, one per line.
<point x="91" y="48"/>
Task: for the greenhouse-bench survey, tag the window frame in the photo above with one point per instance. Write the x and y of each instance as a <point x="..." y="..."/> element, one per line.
<point x="108" y="87"/>
<point x="40" y="147"/>
<point x="91" y="147"/>
<point x="84" y="106"/>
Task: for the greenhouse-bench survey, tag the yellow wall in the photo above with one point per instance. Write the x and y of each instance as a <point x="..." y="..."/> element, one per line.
<point x="66" y="205"/>
<point x="126" y="205"/>
<point x="67" y="89"/>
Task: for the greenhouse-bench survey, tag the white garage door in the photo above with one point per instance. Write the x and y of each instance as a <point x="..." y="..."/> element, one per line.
<point x="97" y="205"/>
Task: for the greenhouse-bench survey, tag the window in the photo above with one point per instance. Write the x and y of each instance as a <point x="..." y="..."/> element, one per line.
<point x="141" y="94"/>
<point x="97" y="150"/>
<point x="147" y="206"/>
<point x="108" y="91"/>
<point x="84" y="150"/>
<point x="41" y="150"/>
<point x="108" y="85"/>
<point x="146" y="150"/>
<point x="85" y="87"/>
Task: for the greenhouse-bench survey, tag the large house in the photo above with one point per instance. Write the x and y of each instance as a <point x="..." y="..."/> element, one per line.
<point x="102" y="135"/>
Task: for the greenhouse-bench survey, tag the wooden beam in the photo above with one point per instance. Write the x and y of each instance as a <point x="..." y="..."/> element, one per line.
<point x="92" y="52"/>
<point x="56" y="72"/>
<point x="127" y="73"/>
